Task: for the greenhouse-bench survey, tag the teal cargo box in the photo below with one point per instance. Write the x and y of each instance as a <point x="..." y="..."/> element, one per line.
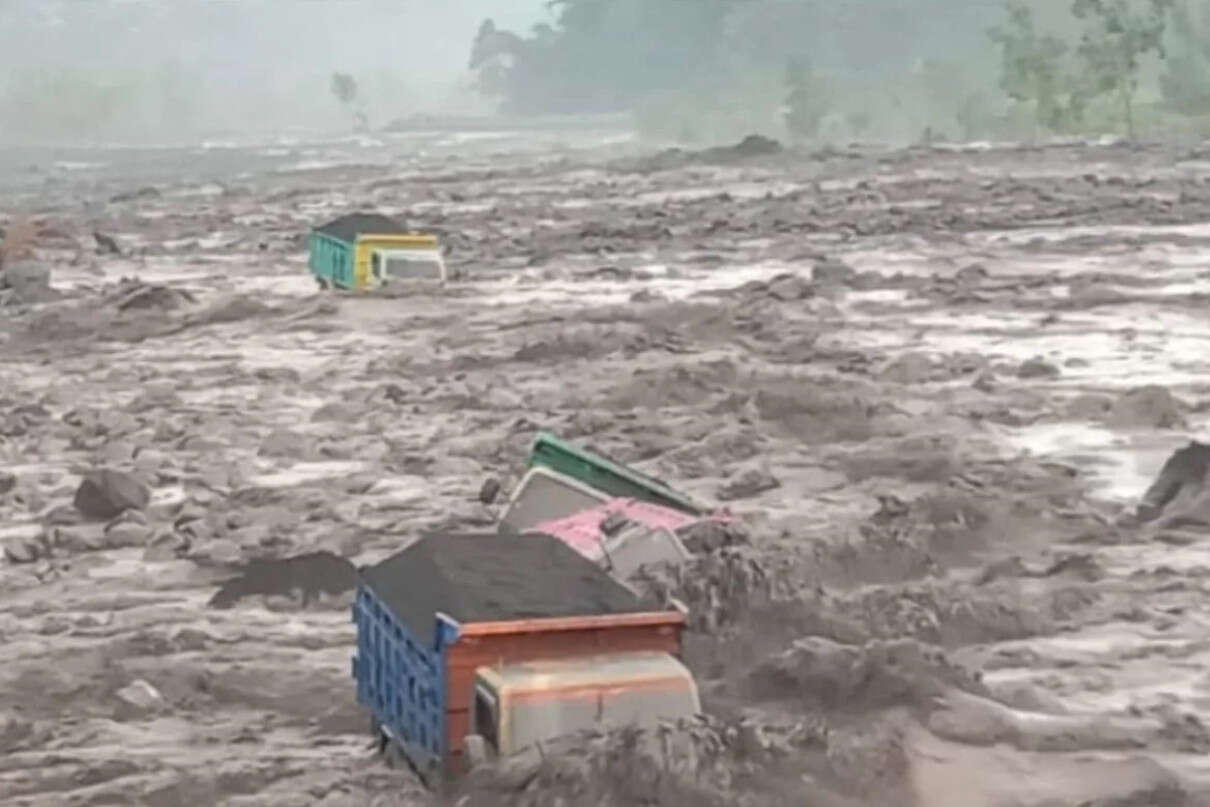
<point x="605" y="475"/>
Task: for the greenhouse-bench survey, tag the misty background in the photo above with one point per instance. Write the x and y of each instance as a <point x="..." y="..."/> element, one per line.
<point x="691" y="71"/>
<point x="166" y="69"/>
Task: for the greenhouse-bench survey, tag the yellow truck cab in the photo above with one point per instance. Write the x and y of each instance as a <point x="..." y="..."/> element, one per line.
<point x="517" y="707"/>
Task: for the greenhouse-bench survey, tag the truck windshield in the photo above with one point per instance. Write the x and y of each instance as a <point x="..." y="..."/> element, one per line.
<point x="546" y="496"/>
<point x="410" y="264"/>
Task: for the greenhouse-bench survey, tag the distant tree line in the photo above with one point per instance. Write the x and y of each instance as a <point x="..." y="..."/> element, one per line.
<point x="810" y="66"/>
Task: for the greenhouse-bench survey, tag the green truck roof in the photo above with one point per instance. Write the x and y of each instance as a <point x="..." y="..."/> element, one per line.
<point x="606" y="475"/>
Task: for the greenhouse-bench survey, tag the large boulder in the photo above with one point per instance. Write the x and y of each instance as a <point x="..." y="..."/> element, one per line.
<point x="107" y="493"/>
<point x="1181" y="481"/>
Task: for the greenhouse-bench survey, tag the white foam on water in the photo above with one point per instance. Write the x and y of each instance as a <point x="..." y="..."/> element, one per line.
<point x="301" y="473"/>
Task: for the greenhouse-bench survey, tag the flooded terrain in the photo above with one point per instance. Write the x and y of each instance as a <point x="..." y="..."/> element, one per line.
<point x="933" y="383"/>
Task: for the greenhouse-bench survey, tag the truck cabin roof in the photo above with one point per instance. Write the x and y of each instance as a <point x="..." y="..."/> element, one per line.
<point x="348" y="228"/>
<point x="489" y="577"/>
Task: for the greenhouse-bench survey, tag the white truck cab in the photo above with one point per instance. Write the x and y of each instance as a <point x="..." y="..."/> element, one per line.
<point x="517" y="707"/>
<point x="404" y="264"/>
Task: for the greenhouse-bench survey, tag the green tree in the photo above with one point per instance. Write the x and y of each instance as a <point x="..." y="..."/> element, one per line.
<point x="344" y="87"/>
<point x="804" y="105"/>
<point x="1032" y="69"/>
<point x="1185" y="81"/>
<point x="1117" y="35"/>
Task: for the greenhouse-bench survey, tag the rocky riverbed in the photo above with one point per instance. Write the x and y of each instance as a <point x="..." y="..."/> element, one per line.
<point x="933" y="383"/>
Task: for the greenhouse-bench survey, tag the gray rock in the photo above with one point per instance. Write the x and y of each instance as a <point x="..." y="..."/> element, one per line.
<point x="490" y="490"/>
<point x="833" y="272"/>
<point x="285" y="444"/>
<point x="140" y="697"/>
<point x="28" y="280"/>
<point x="747" y="484"/>
<point x="910" y="368"/>
<point x="166" y="546"/>
<point x="1037" y="368"/>
<point x="1088" y="406"/>
<point x="1152" y="407"/>
<point x="127" y="533"/>
<point x="790" y="287"/>
<point x="22" y="550"/>
<point x="107" y="493"/>
<point x="7" y="482"/>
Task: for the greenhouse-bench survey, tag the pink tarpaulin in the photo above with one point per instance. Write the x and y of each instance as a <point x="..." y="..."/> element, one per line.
<point x="582" y="531"/>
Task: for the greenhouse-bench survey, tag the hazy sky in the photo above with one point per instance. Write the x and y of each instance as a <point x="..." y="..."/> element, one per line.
<point x="418" y="35"/>
<point x="408" y="55"/>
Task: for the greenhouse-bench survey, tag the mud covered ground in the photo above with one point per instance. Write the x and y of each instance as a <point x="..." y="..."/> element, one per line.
<point x="934" y="383"/>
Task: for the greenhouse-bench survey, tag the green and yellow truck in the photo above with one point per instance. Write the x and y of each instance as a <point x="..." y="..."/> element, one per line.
<point x="369" y="250"/>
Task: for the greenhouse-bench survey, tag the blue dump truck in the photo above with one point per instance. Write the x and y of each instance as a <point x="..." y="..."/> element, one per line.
<point x="494" y="643"/>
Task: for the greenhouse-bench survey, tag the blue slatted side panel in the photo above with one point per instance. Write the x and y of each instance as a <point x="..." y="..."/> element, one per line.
<point x="399" y="680"/>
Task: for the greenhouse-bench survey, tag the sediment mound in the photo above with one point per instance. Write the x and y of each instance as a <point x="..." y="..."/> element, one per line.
<point x="881" y="674"/>
<point x="703" y="762"/>
<point x="754" y="145"/>
<point x="309" y="575"/>
<point x="134" y="311"/>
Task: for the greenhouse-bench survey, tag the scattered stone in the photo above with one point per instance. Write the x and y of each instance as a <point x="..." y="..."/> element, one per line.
<point x="490" y="490"/>
<point x="141" y="698"/>
<point x="7" y="482"/>
<point x="107" y="493"/>
<point x="81" y="538"/>
<point x="165" y="546"/>
<point x="909" y="368"/>
<point x="1151" y="407"/>
<point x="789" y="287"/>
<point x="152" y="297"/>
<point x="985" y="382"/>
<point x="748" y="483"/>
<point x="28" y="281"/>
<point x="106" y="244"/>
<point x="23" y="550"/>
<point x="972" y="274"/>
<point x="1037" y="368"/>
<point x="832" y="272"/>
<point x="285" y="444"/>
<point x="128" y="533"/>
<point x="1088" y="406"/>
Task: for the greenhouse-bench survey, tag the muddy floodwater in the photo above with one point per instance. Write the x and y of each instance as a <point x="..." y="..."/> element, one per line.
<point x="932" y="383"/>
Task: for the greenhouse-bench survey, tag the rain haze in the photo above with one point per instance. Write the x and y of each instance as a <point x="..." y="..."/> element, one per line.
<point x="591" y="403"/>
<point x="147" y="70"/>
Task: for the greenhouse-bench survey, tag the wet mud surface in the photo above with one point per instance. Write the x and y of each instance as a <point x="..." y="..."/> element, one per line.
<point x="933" y="385"/>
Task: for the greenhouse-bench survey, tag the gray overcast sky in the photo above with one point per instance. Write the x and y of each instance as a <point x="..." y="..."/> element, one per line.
<point x="257" y="62"/>
<point x="415" y="34"/>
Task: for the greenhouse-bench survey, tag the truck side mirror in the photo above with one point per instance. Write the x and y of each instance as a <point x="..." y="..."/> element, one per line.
<point x="475" y="748"/>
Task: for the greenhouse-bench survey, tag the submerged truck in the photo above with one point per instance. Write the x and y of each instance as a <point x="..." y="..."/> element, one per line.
<point x="497" y="642"/>
<point x="370" y="251"/>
